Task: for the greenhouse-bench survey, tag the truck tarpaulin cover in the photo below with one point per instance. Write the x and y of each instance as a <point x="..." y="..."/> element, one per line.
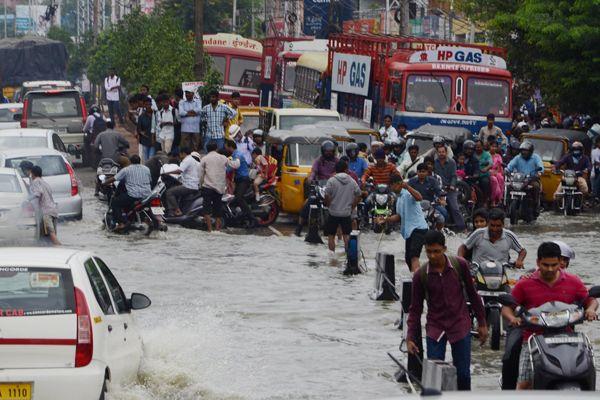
<point x="32" y="59"/>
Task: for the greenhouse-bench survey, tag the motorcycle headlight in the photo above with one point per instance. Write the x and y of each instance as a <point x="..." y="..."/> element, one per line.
<point x="381" y="199"/>
<point x="558" y="319"/>
<point x="517" y="185"/>
<point x="569" y="180"/>
<point x="493" y="282"/>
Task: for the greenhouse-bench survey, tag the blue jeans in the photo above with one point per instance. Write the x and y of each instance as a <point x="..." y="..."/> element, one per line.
<point x="220" y="143"/>
<point x="442" y="210"/>
<point x="461" y="358"/>
<point x="146" y="152"/>
<point x="452" y="200"/>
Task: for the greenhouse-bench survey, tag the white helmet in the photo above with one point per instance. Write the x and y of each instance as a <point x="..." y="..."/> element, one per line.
<point x="234" y="130"/>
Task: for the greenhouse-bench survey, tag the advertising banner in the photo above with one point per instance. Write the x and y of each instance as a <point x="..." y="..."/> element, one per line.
<point x="351" y="73"/>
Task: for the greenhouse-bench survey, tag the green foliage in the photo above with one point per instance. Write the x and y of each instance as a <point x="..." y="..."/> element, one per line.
<point x="78" y="53"/>
<point x="552" y="44"/>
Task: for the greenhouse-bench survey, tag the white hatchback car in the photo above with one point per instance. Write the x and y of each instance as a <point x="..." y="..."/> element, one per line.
<point x="66" y="329"/>
<point x="24" y="138"/>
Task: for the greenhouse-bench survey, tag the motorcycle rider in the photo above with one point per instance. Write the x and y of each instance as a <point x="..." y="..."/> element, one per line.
<point x="398" y="147"/>
<point x="445" y="168"/>
<point x="212" y="175"/>
<point x="134" y="184"/>
<point x="493" y="243"/>
<point x="578" y="162"/>
<point x="381" y="171"/>
<point x="430" y="189"/>
<point x="566" y="253"/>
<point x="190" y="179"/>
<point x="356" y="164"/>
<point x="407" y="164"/>
<point x="549" y="283"/>
<point x="266" y="167"/>
<point x="112" y="145"/>
<point x="529" y="164"/>
<point x="473" y="169"/>
<point x="513" y="150"/>
<point x="322" y="169"/>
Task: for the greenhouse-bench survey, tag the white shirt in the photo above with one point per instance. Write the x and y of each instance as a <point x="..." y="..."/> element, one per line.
<point x="190" y="173"/>
<point x="389" y="133"/>
<point x="595" y="159"/>
<point x="112" y="92"/>
<point x="167" y="132"/>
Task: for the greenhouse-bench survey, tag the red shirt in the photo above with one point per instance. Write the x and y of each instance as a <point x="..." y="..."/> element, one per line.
<point x="533" y="292"/>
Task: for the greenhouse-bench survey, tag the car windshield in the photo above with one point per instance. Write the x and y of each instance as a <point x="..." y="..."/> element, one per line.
<point x="244" y="72"/>
<point x="8" y="114"/>
<point x="486" y="96"/>
<point x="289" y="77"/>
<point x="548" y="150"/>
<point x="289" y="121"/>
<point x="27" y="291"/>
<point x="9" y="184"/>
<point x="51" y="165"/>
<point x="428" y="93"/>
<point x="22" y="142"/>
<point x="302" y="154"/>
<point x="250" y="123"/>
<point x="54" y="106"/>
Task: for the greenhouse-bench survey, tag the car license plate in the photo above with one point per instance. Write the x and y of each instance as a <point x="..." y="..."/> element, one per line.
<point x="563" y="339"/>
<point x="485" y="293"/>
<point x="517" y="193"/>
<point x="157" y="210"/>
<point x="15" y="391"/>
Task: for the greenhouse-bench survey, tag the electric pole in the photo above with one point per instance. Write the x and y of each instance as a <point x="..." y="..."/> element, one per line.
<point x="405" y="26"/>
<point x="198" y="39"/>
<point x="234" y="19"/>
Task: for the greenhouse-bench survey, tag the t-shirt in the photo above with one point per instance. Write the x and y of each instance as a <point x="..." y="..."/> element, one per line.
<point x="190" y="173"/>
<point x="40" y="190"/>
<point x="358" y="166"/>
<point x="243" y="170"/>
<point x="484" y="250"/>
<point x="485" y="160"/>
<point x="411" y="214"/>
<point x="137" y="180"/>
<point x="166" y="132"/>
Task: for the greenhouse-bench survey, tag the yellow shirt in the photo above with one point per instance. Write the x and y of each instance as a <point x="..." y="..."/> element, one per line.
<point x="237" y="120"/>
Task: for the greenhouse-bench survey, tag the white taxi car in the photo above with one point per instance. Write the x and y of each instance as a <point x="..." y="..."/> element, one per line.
<point x="66" y="329"/>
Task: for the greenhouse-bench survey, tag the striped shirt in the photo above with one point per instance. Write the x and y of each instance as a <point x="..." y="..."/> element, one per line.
<point x="380" y="174"/>
<point x="484" y="250"/>
<point x="137" y="180"/>
<point x="215" y="117"/>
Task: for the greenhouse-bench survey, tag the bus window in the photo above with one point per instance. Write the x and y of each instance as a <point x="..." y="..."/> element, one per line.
<point x="244" y="72"/>
<point x="485" y="96"/>
<point x="289" y="76"/>
<point x="219" y="64"/>
<point x="428" y="93"/>
<point x="396" y="93"/>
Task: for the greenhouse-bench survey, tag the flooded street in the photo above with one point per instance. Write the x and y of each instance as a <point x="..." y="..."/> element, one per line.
<point x="237" y="316"/>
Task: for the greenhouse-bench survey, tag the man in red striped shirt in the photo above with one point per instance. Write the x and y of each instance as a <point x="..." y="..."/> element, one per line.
<point x="548" y="283"/>
<point x="381" y="171"/>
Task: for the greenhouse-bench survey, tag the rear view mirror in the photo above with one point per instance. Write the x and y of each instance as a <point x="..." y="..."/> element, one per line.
<point x="594" y="291"/>
<point x="139" y="301"/>
<point x="17" y="117"/>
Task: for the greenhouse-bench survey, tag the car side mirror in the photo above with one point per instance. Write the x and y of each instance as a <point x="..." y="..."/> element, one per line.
<point x="17" y="117"/>
<point x="594" y="291"/>
<point x="72" y="150"/>
<point x="139" y="301"/>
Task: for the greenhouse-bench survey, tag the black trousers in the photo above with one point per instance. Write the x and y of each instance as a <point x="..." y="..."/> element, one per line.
<point x="241" y="187"/>
<point x="120" y="201"/>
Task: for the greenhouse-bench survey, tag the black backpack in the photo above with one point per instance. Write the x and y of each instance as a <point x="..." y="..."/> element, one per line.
<point x="99" y="126"/>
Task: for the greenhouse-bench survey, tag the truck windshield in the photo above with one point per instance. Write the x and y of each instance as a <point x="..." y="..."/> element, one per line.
<point x="485" y="96"/>
<point x="289" y="121"/>
<point x="428" y="93"/>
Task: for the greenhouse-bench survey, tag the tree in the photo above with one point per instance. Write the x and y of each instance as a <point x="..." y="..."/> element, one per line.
<point x="78" y="52"/>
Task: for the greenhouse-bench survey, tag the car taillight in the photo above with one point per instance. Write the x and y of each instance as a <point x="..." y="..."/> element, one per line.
<point x="83" y="109"/>
<point x="155" y="202"/>
<point x="27" y="210"/>
<point x="25" y="111"/>
<point x="85" y="339"/>
<point x="74" y="186"/>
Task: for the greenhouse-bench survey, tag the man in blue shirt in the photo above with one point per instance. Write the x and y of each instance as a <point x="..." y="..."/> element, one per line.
<point x="242" y="179"/>
<point x="357" y="164"/>
<point x="529" y="164"/>
<point x="413" y="225"/>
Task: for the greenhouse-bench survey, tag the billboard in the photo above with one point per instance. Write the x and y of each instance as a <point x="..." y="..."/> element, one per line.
<point x="351" y="73"/>
<point x="318" y="12"/>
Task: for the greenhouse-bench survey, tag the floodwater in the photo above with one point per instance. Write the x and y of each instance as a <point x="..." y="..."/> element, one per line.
<point x="244" y="316"/>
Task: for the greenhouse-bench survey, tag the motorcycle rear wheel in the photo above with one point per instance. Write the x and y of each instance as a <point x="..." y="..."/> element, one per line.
<point x="270" y="217"/>
<point x="495" y="331"/>
<point x="513" y="212"/>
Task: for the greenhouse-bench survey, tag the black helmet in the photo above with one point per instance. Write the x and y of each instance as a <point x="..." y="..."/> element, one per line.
<point x="352" y="150"/>
<point x="469" y="145"/>
<point x="327" y="145"/>
<point x="94" y="109"/>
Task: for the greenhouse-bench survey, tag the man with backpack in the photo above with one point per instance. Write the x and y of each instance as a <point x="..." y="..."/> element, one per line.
<point x="94" y="125"/>
<point x="445" y="283"/>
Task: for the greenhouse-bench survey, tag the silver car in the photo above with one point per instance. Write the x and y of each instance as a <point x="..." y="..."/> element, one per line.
<point x="20" y="138"/>
<point x="17" y="215"/>
<point x="10" y="115"/>
<point x="57" y="171"/>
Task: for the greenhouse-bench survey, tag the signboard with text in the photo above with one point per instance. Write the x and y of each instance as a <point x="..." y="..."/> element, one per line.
<point x="351" y="73"/>
<point x="458" y="55"/>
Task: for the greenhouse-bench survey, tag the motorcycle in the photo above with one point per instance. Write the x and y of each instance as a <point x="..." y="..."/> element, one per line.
<point x="265" y="210"/>
<point x="317" y="212"/>
<point x="382" y="202"/>
<point x="107" y="168"/>
<point x="432" y="216"/>
<point x="145" y="215"/>
<point x="491" y="281"/>
<point x="518" y="198"/>
<point x="191" y="206"/>
<point x="570" y="199"/>
<point x="562" y="359"/>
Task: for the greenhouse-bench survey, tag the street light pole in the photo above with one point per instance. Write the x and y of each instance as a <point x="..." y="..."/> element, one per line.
<point x="234" y="15"/>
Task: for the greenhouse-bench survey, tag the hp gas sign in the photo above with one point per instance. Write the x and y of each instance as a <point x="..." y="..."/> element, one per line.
<point x="351" y="73"/>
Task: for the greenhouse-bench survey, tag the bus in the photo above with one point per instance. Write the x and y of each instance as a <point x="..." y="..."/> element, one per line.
<point x="280" y="56"/>
<point x="420" y="81"/>
<point x="239" y="61"/>
<point x="309" y="72"/>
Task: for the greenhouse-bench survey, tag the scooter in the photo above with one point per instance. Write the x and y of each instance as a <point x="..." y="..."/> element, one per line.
<point x="561" y="358"/>
<point x="382" y="205"/>
<point x="145" y="215"/>
<point x="491" y="281"/>
<point x="107" y="168"/>
<point x="570" y="199"/>
<point x="191" y="206"/>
